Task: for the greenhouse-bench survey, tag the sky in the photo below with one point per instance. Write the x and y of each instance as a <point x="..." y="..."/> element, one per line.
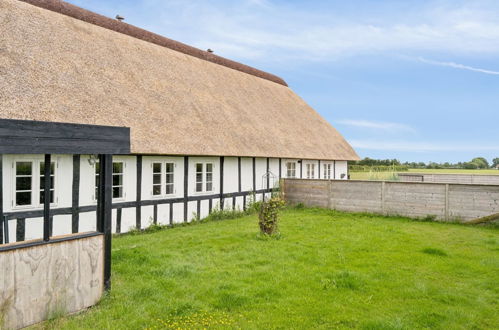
<point x="412" y="80"/>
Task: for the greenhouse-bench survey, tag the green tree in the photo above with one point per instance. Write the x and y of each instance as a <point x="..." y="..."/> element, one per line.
<point x="481" y="162"/>
<point x="495" y="162"/>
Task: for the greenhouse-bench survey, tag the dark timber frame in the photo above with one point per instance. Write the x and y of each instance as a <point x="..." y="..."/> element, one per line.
<point x="35" y="137"/>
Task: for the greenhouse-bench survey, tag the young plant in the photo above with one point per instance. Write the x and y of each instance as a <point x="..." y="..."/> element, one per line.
<point x="269" y="216"/>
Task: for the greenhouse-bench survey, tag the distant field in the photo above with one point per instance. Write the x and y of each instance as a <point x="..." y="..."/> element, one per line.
<point x="390" y="175"/>
<point x="452" y="171"/>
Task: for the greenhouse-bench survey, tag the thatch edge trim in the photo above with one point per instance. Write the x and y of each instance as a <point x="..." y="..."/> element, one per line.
<point x="79" y="13"/>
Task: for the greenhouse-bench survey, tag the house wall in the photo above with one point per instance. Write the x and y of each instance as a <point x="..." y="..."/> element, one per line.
<point x="253" y="177"/>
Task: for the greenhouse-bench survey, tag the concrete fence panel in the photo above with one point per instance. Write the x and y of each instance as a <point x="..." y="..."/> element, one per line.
<point x="412" y="199"/>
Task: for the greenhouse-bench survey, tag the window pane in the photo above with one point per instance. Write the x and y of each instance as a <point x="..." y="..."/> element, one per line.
<point x="199" y="168"/>
<point x="209" y="167"/>
<point x="156" y="168"/>
<point x="117" y="180"/>
<point x="209" y="176"/>
<point x="169" y="189"/>
<point x="117" y="192"/>
<point x="117" y="167"/>
<point x="23" y="183"/>
<point x="23" y="168"/>
<point x="97" y="168"/>
<point x="42" y="168"/>
<point x="169" y="167"/>
<point x="199" y="187"/>
<point x="169" y="178"/>
<point x="156" y="190"/>
<point x="209" y="186"/>
<point x="23" y="198"/>
<point x="156" y="179"/>
<point x="199" y="177"/>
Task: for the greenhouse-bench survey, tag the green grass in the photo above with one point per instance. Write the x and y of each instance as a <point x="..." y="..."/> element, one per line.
<point x="327" y="270"/>
<point x="390" y="175"/>
<point x="455" y="171"/>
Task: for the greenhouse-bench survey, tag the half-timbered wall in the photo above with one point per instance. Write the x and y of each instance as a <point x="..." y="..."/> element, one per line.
<point x="233" y="177"/>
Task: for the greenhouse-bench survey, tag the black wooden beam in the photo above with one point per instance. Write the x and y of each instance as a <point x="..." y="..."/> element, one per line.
<point x="75" y="216"/>
<point x="138" y="210"/>
<point x="239" y="185"/>
<point x="280" y="169"/>
<point x="319" y="171"/>
<point x="36" y="137"/>
<point x="301" y="169"/>
<point x="186" y="187"/>
<point x="222" y="160"/>
<point x="104" y="214"/>
<point x="171" y="214"/>
<point x="254" y="174"/>
<point x="20" y="230"/>
<point x="1" y="199"/>
<point x="46" y="196"/>
<point x="268" y="170"/>
<point x="119" y="214"/>
<point x="334" y="169"/>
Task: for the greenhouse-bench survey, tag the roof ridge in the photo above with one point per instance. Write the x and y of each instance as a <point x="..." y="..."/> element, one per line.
<point x="88" y="16"/>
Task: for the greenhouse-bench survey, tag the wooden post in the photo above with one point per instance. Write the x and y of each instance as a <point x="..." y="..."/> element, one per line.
<point x="222" y="160"/>
<point x="46" y="196"/>
<point x="138" y="209"/>
<point x="75" y="214"/>
<point x="1" y="199"/>
<point x="447" y="202"/>
<point x="104" y="212"/>
<point x="383" y="207"/>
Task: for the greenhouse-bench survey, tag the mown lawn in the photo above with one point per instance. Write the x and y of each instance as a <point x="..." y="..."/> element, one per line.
<point x="328" y="270"/>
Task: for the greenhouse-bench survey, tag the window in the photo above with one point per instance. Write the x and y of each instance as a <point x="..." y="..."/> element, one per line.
<point x="24" y="183"/>
<point x="42" y="182"/>
<point x="117" y="183"/>
<point x="117" y="179"/>
<point x="29" y="188"/>
<point x="204" y="177"/>
<point x="310" y="171"/>
<point x="327" y="171"/>
<point x="162" y="180"/>
<point x="291" y="170"/>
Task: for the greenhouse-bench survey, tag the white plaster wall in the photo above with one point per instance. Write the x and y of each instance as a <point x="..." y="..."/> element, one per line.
<point x="62" y="223"/>
<point x="341" y="168"/>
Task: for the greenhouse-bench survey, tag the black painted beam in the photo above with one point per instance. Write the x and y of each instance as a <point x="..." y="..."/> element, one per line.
<point x="222" y="160"/>
<point x="75" y="216"/>
<point x="186" y="187"/>
<point x="138" y="210"/>
<point x="104" y="215"/>
<point x="1" y="199"/>
<point x="46" y="197"/>
<point x="37" y="137"/>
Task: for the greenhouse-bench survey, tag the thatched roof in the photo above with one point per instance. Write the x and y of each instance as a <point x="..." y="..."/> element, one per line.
<point x="62" y="63"/>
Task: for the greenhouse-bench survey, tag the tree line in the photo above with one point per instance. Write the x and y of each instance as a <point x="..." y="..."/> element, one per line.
<point x="475" y="163"/>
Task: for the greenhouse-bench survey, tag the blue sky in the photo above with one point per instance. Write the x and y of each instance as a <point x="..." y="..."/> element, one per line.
<point x="413" y="80"/>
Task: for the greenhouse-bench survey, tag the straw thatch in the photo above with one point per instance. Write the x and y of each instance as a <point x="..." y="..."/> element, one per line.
<point x="57" y="68"/>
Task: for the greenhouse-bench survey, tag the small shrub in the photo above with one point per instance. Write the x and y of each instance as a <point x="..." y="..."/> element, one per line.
<point x="269" y="216"/>
<point x="434" y="251"/>
<point x="299" y="206"/>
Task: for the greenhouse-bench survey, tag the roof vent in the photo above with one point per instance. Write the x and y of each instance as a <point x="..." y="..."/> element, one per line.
<point x="120" y="18"/>
<point x="209" y="50"/>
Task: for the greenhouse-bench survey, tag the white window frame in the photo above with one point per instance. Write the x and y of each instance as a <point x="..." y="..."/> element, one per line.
<point x="204" y="177"/>
<point x="290" y="170"/>
<point x="35" y="183"/>
<point x="163" y="175"/>
<point x="327" y="171"/>
<point x="310" y="170"/>
<point x="96" y="175"/>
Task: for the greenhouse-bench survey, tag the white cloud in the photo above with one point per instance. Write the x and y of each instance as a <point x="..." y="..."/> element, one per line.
<point x="264" y="29"/>
<point x="412" y="146"/>
<point x="376" y="125"/>
<point x="457" y="66"/>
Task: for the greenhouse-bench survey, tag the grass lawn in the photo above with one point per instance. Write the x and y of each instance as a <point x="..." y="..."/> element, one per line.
<point x="389" y="175"/>
<point x="328" y="270"/>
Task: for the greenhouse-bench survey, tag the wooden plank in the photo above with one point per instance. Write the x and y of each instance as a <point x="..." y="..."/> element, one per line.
<point x="28" y="136"/>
